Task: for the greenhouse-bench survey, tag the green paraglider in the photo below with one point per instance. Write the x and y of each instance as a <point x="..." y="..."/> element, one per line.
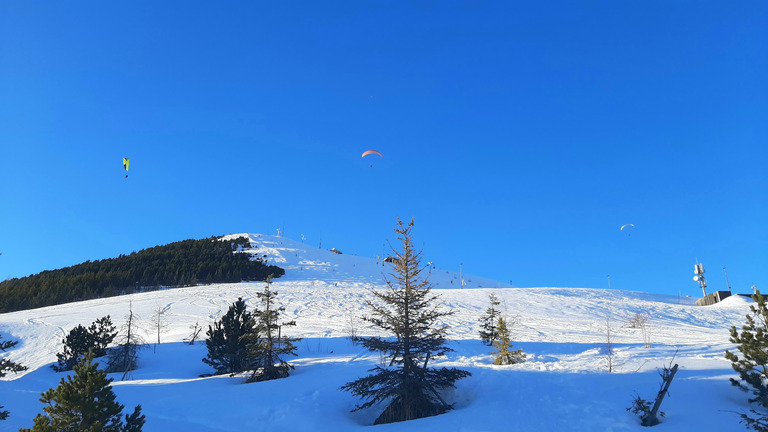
<point x="126" y="162"/>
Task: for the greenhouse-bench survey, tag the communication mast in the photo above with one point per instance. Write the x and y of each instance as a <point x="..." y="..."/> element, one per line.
<point x="699" y="271"/>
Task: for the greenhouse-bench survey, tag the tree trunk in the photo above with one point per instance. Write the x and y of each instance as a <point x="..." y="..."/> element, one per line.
<point x="651" y="419"/>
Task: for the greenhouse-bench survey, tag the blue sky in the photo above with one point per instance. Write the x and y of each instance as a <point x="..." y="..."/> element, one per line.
<point x="519" y="136"/>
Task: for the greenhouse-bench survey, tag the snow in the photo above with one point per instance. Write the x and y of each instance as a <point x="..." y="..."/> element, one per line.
<point x="562" y="386"/>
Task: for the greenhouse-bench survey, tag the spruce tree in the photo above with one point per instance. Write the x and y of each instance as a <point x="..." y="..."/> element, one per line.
<point x="267" y="344"/>
<point x="85" y="403"/>
<point x="7" y="365"/>
<point x="502" y="345"/>
<point x="488" y="331"/>
<point x="410" y="313"/>
<point x="753" y="366"/>
<point x="227" y="348"/>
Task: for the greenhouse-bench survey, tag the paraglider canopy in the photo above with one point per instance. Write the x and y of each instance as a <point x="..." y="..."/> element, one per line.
<point x="372" y="152"/>
<point x="629" y="231"/>
<point x="126" y="162"/>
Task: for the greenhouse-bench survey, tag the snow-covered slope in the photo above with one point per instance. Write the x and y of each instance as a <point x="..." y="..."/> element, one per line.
<point x="305" y="262"/>
<point x="563" y="385"/>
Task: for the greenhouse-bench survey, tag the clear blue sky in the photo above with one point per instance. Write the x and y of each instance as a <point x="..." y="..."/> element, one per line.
<point x="520" y="136"/>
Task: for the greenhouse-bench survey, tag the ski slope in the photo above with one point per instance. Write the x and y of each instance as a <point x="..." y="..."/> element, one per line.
<point x="564" y="384"/>
<point x="303" y="262"/>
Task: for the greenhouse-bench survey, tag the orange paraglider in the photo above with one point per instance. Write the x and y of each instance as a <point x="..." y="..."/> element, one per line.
<point x="372" y="152"/>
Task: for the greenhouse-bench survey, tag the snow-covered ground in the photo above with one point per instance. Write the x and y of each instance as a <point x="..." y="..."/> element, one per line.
<point x="563" y="386"/>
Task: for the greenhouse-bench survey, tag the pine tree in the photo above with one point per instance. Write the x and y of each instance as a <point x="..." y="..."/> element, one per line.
<point x="103" y="333"/>
<point x="410" y="313"/>
<point x="85" y="403"/>
<point x="267" y="344"/>
<point x="80" y="340"/>
<point x="196" y="329"/>
<point x="227" y="349"/>
<point x="753" y="367"/>
<point x="488" y="332"/>
<point x="159" y="322"/>
<point x="125" y="356"/>
<point x="7" y="365"/>
<point x="502" y="345"/>
<point x="76" y="345"/>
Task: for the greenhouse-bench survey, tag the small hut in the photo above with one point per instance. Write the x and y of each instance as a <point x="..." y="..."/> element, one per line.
<point x="712" y="298"/>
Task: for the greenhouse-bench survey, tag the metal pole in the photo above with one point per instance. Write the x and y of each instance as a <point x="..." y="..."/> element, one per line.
<point x="702" y="281"/>
<point x="609" y="281"/>
<point x="726" y="279"/>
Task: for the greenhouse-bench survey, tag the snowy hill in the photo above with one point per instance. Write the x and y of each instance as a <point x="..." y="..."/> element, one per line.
<point x="563" y="385"/>
<point x="304" y="262"/>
